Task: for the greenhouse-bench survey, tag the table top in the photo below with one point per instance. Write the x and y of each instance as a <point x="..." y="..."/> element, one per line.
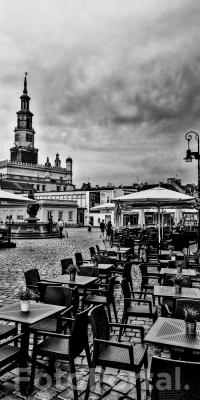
<point x="101" y="267"/>
<point x="169" y="291"/>
<point x="177" y="253"/>
<point x="37" y="312"/>
<point x="173" y="271"/>
<point x="80" y="280"/>
<point x="171" y="331"/>
<point x="122" y="250"/>
<point x="164" y="252"/>
<point x="174" y="252"/>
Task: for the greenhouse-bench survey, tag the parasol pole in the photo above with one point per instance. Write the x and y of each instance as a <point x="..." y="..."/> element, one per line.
<point x="159" y="227"/>
<point x="162" y="223"/>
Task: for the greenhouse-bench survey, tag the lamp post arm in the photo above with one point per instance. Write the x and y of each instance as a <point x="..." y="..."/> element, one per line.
<point x="195" y="155"/>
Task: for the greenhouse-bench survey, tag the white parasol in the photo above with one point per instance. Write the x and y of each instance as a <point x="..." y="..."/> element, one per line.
<point x="157" y="197"/>
<point x="12" y="197"/>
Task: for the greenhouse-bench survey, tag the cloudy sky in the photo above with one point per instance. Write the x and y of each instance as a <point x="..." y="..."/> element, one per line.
<point x="115" y="84"/>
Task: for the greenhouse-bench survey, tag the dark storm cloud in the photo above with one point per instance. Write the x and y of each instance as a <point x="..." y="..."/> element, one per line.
<point x="111" y="85"/>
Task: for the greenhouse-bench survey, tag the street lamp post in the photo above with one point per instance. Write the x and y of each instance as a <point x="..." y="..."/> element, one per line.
<point x="190" y="155"/>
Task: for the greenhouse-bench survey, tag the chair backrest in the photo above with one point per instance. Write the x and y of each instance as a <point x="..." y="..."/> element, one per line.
<point x="71" y="297"/>
<point x="32" y="277"/>
<point x="110" y="294"/>
<point x="92" y="251"/>
<point x="97" y="247"/>
<point x="54" y="295"/>
<point x="79" y="259"/>
<point x="79" y="333"/>
<point x="88" y="271"/>
<point x="144" y="273"/>
<point x="171" y="264"/>
<point x="168" y="280"/>
<point x="99" y="323"/>
<point x="174" y="379"/>
<point x="126" y="292"/>
<point x="180" y="303"/>
<point x="127" y="270"/>
<point x="65" y="263"/>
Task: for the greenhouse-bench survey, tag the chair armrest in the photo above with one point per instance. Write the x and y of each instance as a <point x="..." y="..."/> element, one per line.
<point x="141" y="301"/>
<point x="116" y="344"/>
<point x="32" y="286"/>
<point x="51" y="334"/>
<point x="140" y="328"/>
<point x="96" y="291"/>
<point x="138" y="300"/>
<point x="142" y="292"/>
<point x="65" y="318"/>
<point x="12" y="339"/>
<point x="63" y="313"/>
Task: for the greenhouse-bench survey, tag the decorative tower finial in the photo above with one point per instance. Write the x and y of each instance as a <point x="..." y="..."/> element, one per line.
<point x="25" y="84"/>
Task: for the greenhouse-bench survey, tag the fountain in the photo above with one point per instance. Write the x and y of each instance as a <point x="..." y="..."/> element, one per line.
<point x="31" y="228"/>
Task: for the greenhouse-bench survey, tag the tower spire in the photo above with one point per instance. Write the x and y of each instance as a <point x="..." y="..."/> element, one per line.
<point x="25" y="83"/>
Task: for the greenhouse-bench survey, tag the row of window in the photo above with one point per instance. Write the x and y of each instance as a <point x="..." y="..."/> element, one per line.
<point x="61" y="197"/>
<point x="60" y="215"/>
<point x="50" y="214"/>
<point x="43" y="188"/>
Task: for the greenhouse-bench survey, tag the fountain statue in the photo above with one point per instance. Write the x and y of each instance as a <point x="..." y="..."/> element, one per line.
<point x="32" y="209"/>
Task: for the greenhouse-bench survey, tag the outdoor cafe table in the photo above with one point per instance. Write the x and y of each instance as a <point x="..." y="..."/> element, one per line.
<point x="173" y="271"/>
<point x="123" y="251"/>
<point x="80" y="281"/>
<point x="171" y="332"/>
<point x="102" y="268"/>
<point x="169" y="291"/>
<point x="36" y="313"/>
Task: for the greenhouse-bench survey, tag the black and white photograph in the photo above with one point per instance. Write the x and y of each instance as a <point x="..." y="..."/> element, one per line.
<point x="99" y="199"/>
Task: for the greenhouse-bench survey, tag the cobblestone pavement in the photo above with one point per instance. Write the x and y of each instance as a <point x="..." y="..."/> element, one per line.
<point x="45" y="255"/>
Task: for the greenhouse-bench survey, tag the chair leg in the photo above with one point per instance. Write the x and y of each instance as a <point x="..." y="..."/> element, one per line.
<point x="138" y="388"/>
<point x="146" y="377"/>
<point x="73" y="376"/>
<point x="51" y="368"/>
<point x="91" y="380"/>
<point x="124" y="321"/>
<point x="32" y="377"/>
<point x="131" y="284"/>
<point x="88" y="356"/>
<point x="109" y="313"/>
<point x="102" y="375"/>
<point x="115" y="311"/>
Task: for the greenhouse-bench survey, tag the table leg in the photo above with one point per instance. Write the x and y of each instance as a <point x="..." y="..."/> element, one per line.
<point x="23" y="373"/>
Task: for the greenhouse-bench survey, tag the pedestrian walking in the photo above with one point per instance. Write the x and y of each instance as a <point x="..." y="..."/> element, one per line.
<point x="50" y="224"/>
<point x="102" y="228"/>
<point x="109" y="231"/>
<point x="61" y="226"/>
<point x="89" y="227"/>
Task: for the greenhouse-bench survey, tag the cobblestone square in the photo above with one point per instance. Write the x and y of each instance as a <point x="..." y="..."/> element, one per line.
<point x="46" y="255"/>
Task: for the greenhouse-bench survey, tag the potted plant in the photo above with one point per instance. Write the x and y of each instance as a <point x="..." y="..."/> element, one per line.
<point x="190" y="320"/>
<point x="72" y="270"/>
<point x="25" y="295"/>
<point x="178" y="280"/>
<point x="95" y="260"/>
<point x="179" y="267"/>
